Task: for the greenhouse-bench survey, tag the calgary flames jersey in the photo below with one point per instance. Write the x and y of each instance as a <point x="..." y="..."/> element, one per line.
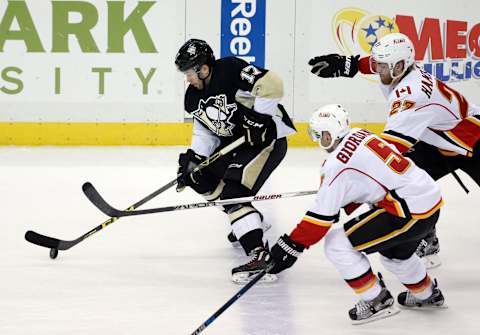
<point x="424" y="108"/>
<point x="365" y="169"/>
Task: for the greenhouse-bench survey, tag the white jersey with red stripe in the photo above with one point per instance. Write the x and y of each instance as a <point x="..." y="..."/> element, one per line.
<point x="424" y="108"/>
<point x="366" y="169"/>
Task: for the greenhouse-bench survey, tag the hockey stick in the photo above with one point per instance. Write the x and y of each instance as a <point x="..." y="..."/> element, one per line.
<point x="55" y="244"/>
<point x="230" y="302"/>
<point x="96" y="199"/>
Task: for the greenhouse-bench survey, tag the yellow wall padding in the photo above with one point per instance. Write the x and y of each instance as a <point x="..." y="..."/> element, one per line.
<point x="30" y="133"/>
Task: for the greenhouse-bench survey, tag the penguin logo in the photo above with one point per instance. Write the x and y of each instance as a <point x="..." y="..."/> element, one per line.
<point x="215" y="114"/>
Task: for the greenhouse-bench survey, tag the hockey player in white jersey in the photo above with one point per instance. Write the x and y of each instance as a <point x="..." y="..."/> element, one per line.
<point x="428" y="121"/>
<point x="363" y="168"/>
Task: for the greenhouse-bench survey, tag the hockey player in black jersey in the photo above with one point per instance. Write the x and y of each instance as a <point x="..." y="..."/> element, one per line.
<point x="229" y="98"/>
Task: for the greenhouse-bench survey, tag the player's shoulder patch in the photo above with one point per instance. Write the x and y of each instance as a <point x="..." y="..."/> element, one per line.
<point x="403" y="98"/>
<point x="402" y="91"/>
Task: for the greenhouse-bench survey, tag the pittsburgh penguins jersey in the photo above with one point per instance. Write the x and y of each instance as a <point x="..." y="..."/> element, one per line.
<point x="424" y="108"/>
<point x="234" y="88"/>
<point x="365" y="169"/>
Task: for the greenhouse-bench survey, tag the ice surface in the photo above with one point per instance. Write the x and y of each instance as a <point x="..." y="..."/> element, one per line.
<point x="167" y="273"/>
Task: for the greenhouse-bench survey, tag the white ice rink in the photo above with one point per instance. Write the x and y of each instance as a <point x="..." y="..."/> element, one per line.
<point x="167" y="273"/>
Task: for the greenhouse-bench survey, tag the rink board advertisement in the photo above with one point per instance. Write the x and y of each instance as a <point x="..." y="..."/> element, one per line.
<point x="243" y="31"/>
<point x="101" y="72"/>
<point x="89" y="70"/>
<point x="445" y="37"/>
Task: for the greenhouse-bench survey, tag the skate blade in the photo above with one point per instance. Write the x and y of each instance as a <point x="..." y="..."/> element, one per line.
<point x="432" y="261"/>
<point x="243" y="278"/>
<point x="383" y="314"/>
<point x="425" y="307"/>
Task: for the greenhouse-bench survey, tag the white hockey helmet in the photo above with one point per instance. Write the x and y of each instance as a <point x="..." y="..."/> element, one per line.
<point x="391" y="49"/>
<point x="332" y="118"/>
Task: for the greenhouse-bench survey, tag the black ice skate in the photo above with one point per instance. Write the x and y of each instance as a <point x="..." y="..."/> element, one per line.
<point x="378" y="308"/>
<point x="428" y="250"/>
<point x="261" y="258"/>
<point x="436" y="300"/>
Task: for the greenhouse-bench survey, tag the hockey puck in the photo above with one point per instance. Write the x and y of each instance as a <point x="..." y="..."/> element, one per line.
<point x="53" y="253"/>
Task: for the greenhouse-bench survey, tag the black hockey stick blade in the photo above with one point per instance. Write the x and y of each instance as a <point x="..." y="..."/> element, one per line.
<point x="95" y="198"/>
<point x="42" y="240"/>
<point x="50" y="242"/>
<point x="54" y="243"/>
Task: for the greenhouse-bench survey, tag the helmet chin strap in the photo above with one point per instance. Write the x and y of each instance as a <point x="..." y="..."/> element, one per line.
<point x="205" y="78"/>
<point x="332" y="146"/>
<point x="329" y="146"/>
<point x="326" y="148"/>
<point x="397" y="78"/>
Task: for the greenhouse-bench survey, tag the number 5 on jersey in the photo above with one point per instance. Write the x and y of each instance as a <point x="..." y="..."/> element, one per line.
<point x="395" y="161"/>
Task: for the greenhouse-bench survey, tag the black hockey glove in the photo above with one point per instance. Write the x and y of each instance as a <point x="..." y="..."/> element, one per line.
<point x="285" y="253"/>
<point x="186" y="163"/>
<point x="258" y="127"/>
<point x="334" y="65"/>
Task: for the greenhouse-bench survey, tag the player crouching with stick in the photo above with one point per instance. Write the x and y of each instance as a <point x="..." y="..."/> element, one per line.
<point x="230" y="99"/>
<point x="362" y="168"/>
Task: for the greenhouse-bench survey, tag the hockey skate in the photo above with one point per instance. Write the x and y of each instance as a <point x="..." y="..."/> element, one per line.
<point x="428" y="250"/>
<point x="380" y="307"/>
<point x="436" y="300"/>
<point x="233" y="239"/>
<point x="260" y="259"/>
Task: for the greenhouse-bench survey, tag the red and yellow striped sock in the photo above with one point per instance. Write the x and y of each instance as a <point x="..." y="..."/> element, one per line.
<point x="421" y="290"/>
<point x="366" y="285"/>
